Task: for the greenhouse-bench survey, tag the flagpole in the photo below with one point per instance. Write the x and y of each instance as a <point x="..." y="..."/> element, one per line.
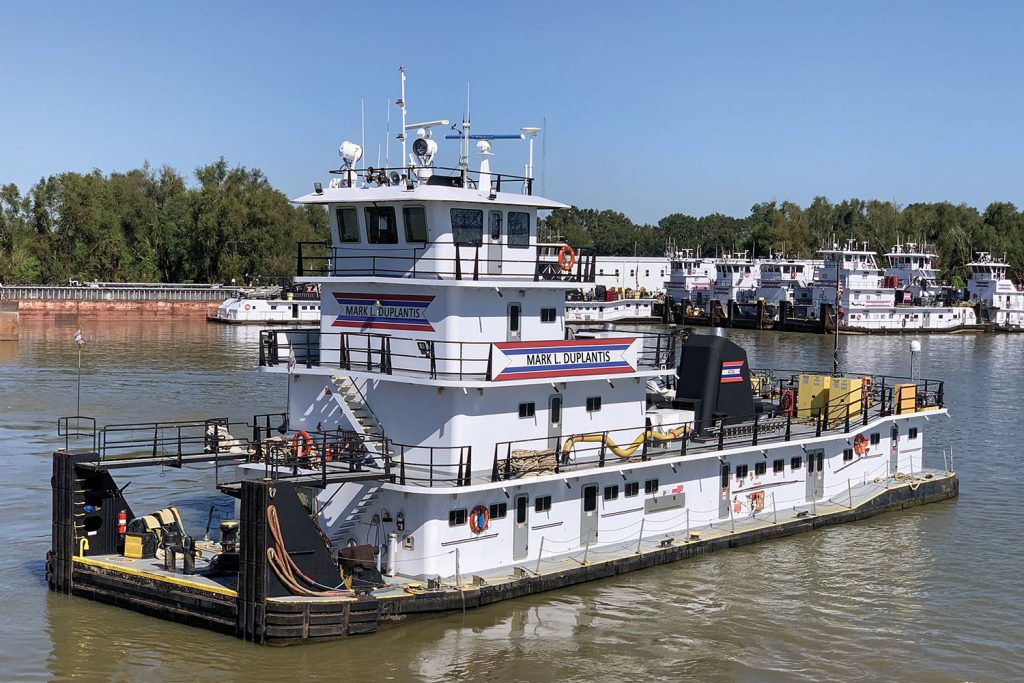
<point x="79" y="342"/>
<point x="78" y="407"/>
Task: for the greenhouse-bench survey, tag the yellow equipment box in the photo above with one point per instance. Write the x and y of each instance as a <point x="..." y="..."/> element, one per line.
<point x="845" y="393"/>
<point x="904" y="398"/>
<point x="812" y="398"/>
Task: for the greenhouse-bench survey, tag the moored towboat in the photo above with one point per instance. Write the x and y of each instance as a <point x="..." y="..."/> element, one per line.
<point x="449" y="443"/>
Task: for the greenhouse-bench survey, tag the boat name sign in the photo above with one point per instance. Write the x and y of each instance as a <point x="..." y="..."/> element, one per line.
<point x="372" y="311"/>
<point x="563" y="358"/>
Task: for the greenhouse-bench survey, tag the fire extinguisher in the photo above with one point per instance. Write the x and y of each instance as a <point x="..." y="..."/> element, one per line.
<point x="122" y="522"/>
<point x="400" y="522"/>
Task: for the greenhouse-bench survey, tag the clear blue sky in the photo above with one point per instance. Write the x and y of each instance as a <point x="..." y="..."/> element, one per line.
<point x="652" y="108"/>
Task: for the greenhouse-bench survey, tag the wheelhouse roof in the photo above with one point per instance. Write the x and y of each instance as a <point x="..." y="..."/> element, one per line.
<point x="424" y="193"/>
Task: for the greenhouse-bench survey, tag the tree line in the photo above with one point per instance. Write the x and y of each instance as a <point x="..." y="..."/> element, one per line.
<point x="956" y="230"/>
<point x="150" y="225"/>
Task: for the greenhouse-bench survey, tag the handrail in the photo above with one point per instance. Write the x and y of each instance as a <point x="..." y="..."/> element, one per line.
<point x="467" y="263"/>
<point x="391" y="354"/>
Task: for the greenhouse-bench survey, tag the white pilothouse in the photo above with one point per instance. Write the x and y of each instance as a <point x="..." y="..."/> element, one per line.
<point x="867" y="304"/>
<point x="990" y="284"/>
<point x="443" y="361"/>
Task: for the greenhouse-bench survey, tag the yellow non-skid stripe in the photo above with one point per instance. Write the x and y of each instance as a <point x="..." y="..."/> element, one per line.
<point x="220" y="590"/>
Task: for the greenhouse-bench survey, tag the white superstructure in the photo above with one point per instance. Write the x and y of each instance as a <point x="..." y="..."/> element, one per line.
<point x="912" y="269"/>
<point x="691" y="278"/>
<point x="245" y="311"/>
<point x="989" y="283"/>
<point x="867" y="305"/>
<point x="443" y="361"/>
<point x="647" y="273"/>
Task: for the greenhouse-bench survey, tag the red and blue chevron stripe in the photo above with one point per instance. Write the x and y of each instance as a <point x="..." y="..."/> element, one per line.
<point x="395" y="311"/>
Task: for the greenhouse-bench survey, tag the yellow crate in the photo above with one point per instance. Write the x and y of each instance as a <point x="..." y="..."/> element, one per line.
<point x="812" y="397"/>
<point x="904" y="398"/>
<point x="845" y="393"/>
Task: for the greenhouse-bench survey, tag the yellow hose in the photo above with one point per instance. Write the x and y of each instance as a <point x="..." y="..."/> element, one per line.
<point x="623" y="451"/>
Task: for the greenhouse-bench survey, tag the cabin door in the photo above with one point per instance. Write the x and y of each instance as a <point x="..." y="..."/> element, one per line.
<point x="493" y="242"/>
<point x="588" y="517"/>
<point x="894" y="451"/>
<point x="723" y="494"/>
<point x="815" y="474"/>
<point x="521" y="530"/>
<point x="295" y="310"/>
<point x="554" y="421"/>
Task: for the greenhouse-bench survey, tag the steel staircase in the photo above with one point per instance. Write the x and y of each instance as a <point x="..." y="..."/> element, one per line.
<point x="348" y="529"/>
<point x="357" y="411"/>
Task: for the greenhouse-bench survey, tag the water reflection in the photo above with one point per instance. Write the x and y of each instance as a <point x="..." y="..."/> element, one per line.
<point x="926" y="594"/>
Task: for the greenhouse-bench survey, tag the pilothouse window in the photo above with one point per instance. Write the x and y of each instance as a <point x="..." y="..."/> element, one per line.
<point x="494" y="225"/>
<point x="381" y="225"/>
<point x="468" y="226"/>
<point x="348" y="224"/>
<point x="518" y="229"/>
<point x="415" y="224"/>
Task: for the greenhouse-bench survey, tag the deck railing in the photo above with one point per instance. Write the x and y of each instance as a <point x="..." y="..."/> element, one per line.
<point x="329" y="454"/>
<point x="467" y="264"/>
<point x="435" y="359"/>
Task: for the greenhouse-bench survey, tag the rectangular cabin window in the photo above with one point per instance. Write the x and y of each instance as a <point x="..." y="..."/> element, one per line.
<point x="632" y="489"/>
<point x="468" y="227"/>
<point x="847" y="454"/>
<point x="548" y="315"/>
<point x="518" y="229"/>
<point x="912" y="434"/>
<point x="457" y="517"/>
<point x="415" y="218"/>
<point x="741" y="471"/>
<point x="760" y="468"/>
<point x="498" y="510"/>
<point x="494" y="225"/>
<point x="593" y="404"/>
<point x="542" y="504"/>
<point x="651" y="486"/>
<point x="348" y="224"/>
<point x="876" y="438"/>
<point x="611" y="492"/>
<point x="778" y="466"/>
<point x="527" y="409"/>
<point x="796" y="462"/>
<point x="381" y="225"/>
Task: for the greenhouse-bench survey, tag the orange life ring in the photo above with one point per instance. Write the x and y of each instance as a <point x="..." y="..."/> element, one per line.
<point x="479" y="519"/>
<point x="860" y="444"/>
<point x="328" y="452"/>
<point x="307" y="444"/>
<point x="566" y="252"/>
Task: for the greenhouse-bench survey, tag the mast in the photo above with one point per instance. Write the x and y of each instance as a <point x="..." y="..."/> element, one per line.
<point x="401" y="103"/>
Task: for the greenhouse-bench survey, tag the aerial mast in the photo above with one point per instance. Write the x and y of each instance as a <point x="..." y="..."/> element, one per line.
<point x="401" y="103"/>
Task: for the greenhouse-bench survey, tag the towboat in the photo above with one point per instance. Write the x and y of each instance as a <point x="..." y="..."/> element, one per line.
<point x="449" y="443"/>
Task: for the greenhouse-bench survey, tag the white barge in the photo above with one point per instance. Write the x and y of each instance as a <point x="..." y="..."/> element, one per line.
<point x="448" y="444"/>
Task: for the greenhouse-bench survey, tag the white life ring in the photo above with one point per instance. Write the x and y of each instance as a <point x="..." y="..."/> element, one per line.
<point x="247" y="307"/>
